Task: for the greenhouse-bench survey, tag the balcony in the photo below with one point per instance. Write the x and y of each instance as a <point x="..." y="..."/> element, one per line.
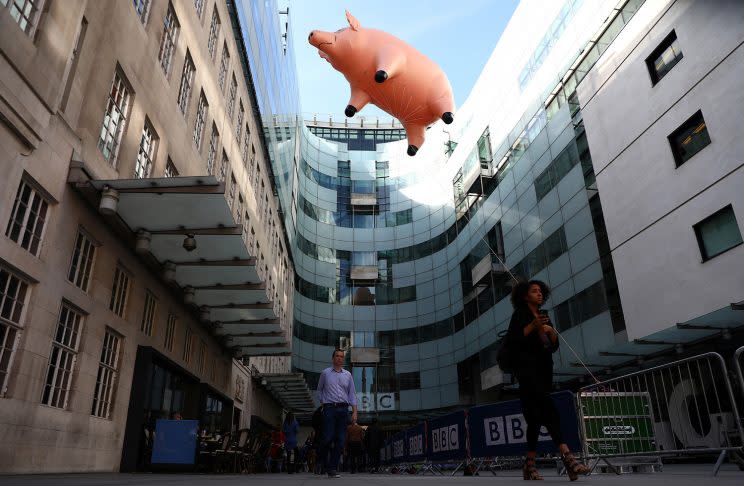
<point x="365" y="355"/>
<point x="489" y="264"/>
<point x="364" y="199"/>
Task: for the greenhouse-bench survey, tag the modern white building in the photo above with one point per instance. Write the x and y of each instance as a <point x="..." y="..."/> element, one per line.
<point x="662" y="110"/>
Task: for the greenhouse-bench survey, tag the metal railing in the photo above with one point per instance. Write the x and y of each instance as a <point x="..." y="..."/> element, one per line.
<point x="739" y="364"/>
<point x="682" y="408"/>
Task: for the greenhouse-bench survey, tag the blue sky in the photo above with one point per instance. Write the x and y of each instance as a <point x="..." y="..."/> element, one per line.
<point x="457" y="35"/>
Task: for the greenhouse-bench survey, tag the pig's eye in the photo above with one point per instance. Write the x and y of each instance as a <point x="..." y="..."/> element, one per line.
<point x="340" y="30"/>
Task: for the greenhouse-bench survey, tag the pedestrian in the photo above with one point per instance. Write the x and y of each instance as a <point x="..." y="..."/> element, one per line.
<point x="336" y="393"/>
<point x="318" y="460"/>
<point x="372" y="444"/>
<point x="290" y="427"/>
<point x="276" y="454"/>
<point x="533" y="341"/>
<point x="354" y="438"/>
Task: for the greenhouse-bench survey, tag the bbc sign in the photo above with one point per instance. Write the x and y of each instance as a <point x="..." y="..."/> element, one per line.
<point x="416" y="445"/>
<point x="445" y="439"/>
<point x="509" y="429"/>
<point x="399" y="449"/>
<point x="370" y="402"/>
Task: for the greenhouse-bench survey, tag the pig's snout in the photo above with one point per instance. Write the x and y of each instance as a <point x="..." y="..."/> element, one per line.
<point x="318" y="37"/>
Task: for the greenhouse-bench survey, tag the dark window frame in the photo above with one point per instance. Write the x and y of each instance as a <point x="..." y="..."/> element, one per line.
<point x="699" y="237"/>
<point x="665" y="44"/>
<point x="678" y="157"/>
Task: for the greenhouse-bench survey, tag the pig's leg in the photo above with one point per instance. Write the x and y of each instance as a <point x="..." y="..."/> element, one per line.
<point x="443" y="107"/>
<point x="415" y="134"/>
<point x="389" y="63"/>
<point x="359" y="99"/>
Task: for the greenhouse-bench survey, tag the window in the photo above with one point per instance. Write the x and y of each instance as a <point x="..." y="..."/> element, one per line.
<point x="13" y="290"/>
<point x="168" y="43"/>
<point x="664" y="58"/>
<point x="199" y="6"/>
<point x="214" y="32"/>
<point x="231" y="99"/>
<point x="223" y="66"/>
<point x="187" y="79"/>
<point x="62" y="357"/>
<point x="586" y="304"/>
<point x="231" y="184"/>
<point x="213" y="370"/>
<point x="170" y="331"/>
<point x="146" y="155"/>
<point x="201" y="119"/>
<point x="142" y="7"/>
<point x="214" y="140"/>
<point x="25" y="13"/>
<point x="187" y="343"/>
<point x="114" y="118"/>
<point x="239" y="211"/>
<point x="718" y="233"/>
<point x="170" y="169"/>
<point x="689" y="139"/>
<point x="81" y="265"/>
<point x="239" y="125"/>
<point x="223" y="168"/>
<point x="246" y="145"/>
<point x="148" y="313"/>
<point x="409" y="381"/>
<point x="28" y="218"/>
<point x="108" y="369"/>
<point x="119" y="292"/>
<point x="201" y="360"/>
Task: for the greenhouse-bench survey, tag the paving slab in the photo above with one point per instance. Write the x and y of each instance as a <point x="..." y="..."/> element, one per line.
<point x="672" y="475"/>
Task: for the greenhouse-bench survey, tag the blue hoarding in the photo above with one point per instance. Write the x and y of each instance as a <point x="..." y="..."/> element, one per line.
<point x="175" y="441"/>
<point x="446" y="437"/>
<point x="500" y="429"/>
<point x="399" y="448"/>
<point x="416" y="443"/>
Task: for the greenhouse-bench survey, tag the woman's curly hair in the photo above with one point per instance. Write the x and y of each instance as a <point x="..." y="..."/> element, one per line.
<point x="519" y="292"/>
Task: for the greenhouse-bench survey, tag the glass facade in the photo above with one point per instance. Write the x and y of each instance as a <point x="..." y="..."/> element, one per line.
<point x="389" y="253"/>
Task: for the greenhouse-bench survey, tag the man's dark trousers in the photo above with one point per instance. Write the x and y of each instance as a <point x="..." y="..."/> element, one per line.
<point x="335" y="420"/>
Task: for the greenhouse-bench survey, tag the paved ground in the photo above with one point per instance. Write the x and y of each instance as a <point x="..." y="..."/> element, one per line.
<point x="687" y="475"/>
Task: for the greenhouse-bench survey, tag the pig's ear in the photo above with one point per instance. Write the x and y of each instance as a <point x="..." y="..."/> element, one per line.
<point x="353" y="22"/>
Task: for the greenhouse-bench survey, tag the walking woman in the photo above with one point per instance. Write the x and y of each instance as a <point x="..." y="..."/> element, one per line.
<point x="290" y="427"/>
<point x="533" y="341"/>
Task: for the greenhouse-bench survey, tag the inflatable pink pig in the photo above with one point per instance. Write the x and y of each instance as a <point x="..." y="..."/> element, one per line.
<point x="384" y="70"/>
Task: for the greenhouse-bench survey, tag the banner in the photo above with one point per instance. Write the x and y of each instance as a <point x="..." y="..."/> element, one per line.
<point x="388" y="451"/>
<point x="399" y="448"/>
<point x="446" y="437"/>
<point x="175" y="441"/>
<point x="416" y="443"/>
<point x="500" y="429"/>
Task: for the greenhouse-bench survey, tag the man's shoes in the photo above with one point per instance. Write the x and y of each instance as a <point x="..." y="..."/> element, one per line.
<point x="333" y="474"/>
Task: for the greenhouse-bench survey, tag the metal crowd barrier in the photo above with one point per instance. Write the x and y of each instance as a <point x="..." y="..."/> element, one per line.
<point x="739" y="364"/>
<point x="682" y="408"/>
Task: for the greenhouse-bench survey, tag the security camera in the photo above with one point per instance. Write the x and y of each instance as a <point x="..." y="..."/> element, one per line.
<point x="189" y="243"/>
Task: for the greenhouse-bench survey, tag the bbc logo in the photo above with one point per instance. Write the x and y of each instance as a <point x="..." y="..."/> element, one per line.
<point x="445" y="439"/>
<point x="511" y="429"/>
<point x="416" y="445"/>
<point x="398" y="448"/>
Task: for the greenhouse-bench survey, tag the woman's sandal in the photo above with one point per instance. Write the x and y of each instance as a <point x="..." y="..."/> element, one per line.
<point x="529" y="471"/>
<point x="573" y="467"/>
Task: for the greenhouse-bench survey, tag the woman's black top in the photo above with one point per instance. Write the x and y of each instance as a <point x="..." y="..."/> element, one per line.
<point x="533" y="363"/>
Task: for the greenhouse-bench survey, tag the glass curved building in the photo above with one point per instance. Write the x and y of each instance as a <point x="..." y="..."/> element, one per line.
<point x="407" y="262"/>
<point x="400" y="259"/>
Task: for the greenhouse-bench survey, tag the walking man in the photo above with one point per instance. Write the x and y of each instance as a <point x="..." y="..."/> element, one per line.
<point x="336" y="393"/>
